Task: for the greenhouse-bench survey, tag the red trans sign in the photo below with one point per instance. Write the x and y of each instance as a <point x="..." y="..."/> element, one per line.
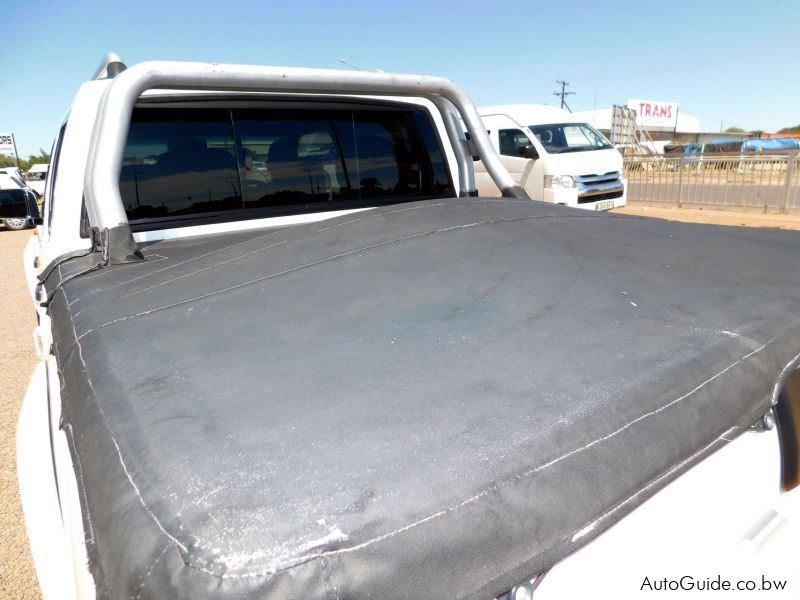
<point x="655" y="113"/>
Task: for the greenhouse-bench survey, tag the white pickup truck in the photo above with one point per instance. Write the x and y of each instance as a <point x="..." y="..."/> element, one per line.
<point x="554" y="157"/>
<point x="287" y="352"/>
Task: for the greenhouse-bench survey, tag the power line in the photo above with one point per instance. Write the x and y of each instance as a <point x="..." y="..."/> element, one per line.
<point x="563" y="93"/>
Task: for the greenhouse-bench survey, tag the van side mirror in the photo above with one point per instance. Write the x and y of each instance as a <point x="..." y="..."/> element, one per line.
<point x="529" y="151"/>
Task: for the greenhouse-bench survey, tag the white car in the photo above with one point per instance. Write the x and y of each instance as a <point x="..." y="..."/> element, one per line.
<point x="12" y="171"/>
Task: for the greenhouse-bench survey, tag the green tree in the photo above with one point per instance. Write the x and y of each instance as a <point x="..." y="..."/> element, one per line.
<point x="8" y="161"/>
<point x="42" y="157"/>
<point x="795" y="129"/>
<point x="735" y="130"/>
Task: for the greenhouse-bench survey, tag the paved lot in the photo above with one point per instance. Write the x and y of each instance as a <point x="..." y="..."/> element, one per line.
<point x="17" y="576"/>
<point x="17" y="359"/>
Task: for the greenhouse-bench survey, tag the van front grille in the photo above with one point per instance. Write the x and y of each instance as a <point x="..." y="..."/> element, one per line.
<point x="595" y="179"/>
<point x="596" y="197"/>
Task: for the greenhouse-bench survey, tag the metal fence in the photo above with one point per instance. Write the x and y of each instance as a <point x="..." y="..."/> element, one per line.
<point x="766" y="182"/>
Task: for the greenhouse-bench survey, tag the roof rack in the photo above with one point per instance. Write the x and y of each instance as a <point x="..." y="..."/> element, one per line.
<point x="111" y="66"/>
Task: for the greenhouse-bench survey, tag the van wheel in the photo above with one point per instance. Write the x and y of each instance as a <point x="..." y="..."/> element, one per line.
<point x="15" y="224"/>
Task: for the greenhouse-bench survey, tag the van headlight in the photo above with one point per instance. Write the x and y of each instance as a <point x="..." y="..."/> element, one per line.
<point x="559" y="181"/>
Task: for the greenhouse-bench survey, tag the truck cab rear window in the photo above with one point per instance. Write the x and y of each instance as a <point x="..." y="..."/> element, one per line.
<point x="185" y="164"/>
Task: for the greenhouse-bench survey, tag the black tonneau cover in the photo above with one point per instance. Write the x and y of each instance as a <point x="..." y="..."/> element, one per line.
<point x="429" y="400"/>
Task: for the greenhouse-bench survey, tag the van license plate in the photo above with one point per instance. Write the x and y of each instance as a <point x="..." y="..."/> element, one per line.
<point x="604" y="205"/>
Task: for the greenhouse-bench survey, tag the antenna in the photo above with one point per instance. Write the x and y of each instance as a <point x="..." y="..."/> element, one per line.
<point x="344" y="62"/>
<point x="563" y="93"/>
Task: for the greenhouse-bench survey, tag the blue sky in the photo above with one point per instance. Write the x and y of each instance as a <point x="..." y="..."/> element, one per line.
<point x="731" y="63"/>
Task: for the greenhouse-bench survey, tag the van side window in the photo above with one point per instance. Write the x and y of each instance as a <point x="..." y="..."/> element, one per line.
<point x="512" y="142"/>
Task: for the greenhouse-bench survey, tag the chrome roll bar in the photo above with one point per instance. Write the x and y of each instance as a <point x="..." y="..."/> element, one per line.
<point x="101" y="184"/>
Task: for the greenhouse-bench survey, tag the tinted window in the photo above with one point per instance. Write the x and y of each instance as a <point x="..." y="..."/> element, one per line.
<point x="288" y="160"/>
<point x="512" y="142"/>
<point x="179" y="162"/>
<point x="392" y="154"/>
<point x="370" y="156"/>
<point x="262" y="162"/>
<point x="439" y="174"/>
<point x="13" y="204"/>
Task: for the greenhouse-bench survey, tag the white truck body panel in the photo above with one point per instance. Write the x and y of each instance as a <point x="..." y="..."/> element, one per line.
<point x="51" y="503"/>
<point x="725" y="516"/>
<point x="67" y="175"/>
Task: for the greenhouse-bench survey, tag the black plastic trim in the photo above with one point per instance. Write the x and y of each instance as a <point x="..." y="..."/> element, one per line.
<point x="787" y="418"/>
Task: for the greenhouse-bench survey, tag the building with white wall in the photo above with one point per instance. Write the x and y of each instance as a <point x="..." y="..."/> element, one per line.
<point x="665" y="120"/>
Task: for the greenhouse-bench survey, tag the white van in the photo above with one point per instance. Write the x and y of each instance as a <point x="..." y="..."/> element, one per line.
<point x="554" y="157"/>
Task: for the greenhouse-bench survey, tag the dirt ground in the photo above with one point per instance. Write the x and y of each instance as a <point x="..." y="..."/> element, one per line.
<point x="750" y="218"/>
<point x="17" y="359"/>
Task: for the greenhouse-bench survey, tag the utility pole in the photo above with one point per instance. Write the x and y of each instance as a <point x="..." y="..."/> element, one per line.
<point x="16" y="155"/>
<point x="563" y="93"/>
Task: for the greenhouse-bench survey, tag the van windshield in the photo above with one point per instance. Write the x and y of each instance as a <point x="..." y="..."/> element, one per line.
<point x="569" y="137"/>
